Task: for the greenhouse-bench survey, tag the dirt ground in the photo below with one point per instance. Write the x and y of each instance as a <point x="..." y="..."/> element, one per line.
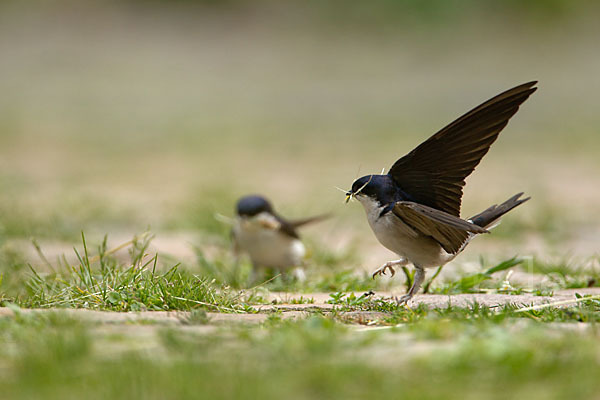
<point x="287" y="310"/>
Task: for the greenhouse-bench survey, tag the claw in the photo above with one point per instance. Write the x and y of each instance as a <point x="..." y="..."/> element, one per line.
<point x="381" y="271"/>
<point x="403" y="300"/>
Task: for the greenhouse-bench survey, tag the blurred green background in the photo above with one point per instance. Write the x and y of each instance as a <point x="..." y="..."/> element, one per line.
<point x="119" y="116"/>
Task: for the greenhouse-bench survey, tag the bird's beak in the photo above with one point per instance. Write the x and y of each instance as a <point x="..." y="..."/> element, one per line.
<point x="267" y="221"/>
<point x="348" y="196"/>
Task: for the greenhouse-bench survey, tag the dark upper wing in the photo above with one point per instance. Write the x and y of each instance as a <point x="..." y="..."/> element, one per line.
<point x="434" y="173"/>
<point x="449" y="231"/>
<point x="287" y="228"/>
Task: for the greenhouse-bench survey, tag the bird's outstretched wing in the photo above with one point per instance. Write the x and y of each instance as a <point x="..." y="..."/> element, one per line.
<point x="434" y="172"/>
<point x="449" y="231"/>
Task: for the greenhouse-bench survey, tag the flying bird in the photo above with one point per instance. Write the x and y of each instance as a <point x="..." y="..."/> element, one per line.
<point x="270" y="240"/>
<point x="414" y="209"/>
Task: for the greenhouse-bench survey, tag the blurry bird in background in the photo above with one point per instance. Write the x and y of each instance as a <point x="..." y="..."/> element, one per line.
<point x="414" y="209"/>
<point x="269" y="240"/>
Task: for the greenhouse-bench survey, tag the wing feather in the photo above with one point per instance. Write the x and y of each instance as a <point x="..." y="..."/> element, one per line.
<point x="434" y="173"/>
<point x="449" y="231"/>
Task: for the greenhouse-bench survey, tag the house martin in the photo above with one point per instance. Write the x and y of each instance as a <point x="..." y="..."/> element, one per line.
<point x="414" y="209"/>
<point x="270" y="240"/>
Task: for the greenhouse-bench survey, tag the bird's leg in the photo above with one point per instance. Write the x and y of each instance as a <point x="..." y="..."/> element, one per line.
<point x="390" y="265"/>
<point x="419" y="277"/>
<point x="299" y="274"/>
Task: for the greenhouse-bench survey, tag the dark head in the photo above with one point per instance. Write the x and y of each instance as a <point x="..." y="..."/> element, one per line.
<point x="249" y="206"/>
<point x="380" y="188"/>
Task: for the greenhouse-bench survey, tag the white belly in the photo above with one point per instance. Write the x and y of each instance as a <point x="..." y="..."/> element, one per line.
<point x="268" y="247"/>
<point x="400" y="238"/>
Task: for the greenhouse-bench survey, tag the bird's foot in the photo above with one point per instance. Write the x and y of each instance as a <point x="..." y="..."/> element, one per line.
<point x="403" y="300"/>
<point x="381" y="271"/>
<point x="389" y="265"/>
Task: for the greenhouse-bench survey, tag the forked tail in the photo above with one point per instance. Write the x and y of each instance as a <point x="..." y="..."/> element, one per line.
<point x="488" y="218"/>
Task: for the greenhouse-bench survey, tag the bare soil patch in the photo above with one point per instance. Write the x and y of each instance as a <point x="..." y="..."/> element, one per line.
<point x="286" y="309"/>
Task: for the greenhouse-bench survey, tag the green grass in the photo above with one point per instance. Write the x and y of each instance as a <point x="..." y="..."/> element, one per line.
<point x="472" y="283"/>
<point x="53" y="356"/>
<point x="567" y="273"/>
<point x="12" y="267"/>
<point x="587" y="310"/>
<point x="468" y="352"/>
<point x="103" y="283"/>
<point x="325" y="271"/>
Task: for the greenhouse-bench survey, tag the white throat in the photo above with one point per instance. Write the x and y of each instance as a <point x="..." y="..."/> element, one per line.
<point x="402" y="239"/>
<point x="372" y="208"/>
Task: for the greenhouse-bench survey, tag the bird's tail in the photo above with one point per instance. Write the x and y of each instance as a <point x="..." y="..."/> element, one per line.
<point x="301" y="222"/>
<point x="489" y="218"/>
